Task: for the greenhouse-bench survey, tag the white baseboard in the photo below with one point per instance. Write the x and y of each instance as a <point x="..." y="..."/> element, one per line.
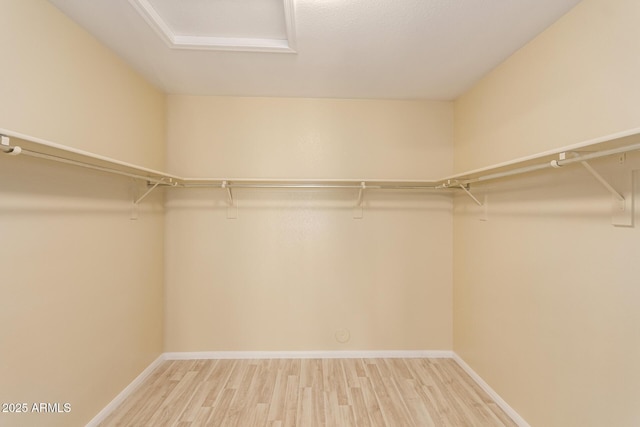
<point x="367" y="354"/>
<point x="491" y="392"/>
<point x="117" y="401"/>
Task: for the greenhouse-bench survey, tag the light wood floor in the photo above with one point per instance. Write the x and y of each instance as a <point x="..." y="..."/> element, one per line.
<point x="309" y="392"/>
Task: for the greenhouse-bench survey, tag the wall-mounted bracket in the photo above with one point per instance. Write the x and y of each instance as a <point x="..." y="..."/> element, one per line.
<point x="619" y="197"/>
<point x="616" y="195"/>
<point x="232" y="209"/>
<point x="357" y="210"/>
<point x="225" y="186"/>
<point x="138" y="200"/>
<point x="465" y="188"/>
<point x="620" y="186"/>
<point x="150" y="190"/>
<point x="483" y="212"/>
<point x="363" y="186"/>
<point x="622" y="214"/>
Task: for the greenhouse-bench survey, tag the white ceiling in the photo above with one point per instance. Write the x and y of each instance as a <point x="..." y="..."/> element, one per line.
<point x="430" y="49"/>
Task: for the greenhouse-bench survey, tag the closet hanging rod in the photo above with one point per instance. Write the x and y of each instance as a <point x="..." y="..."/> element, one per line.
<point x="58" y="159"/>
<point x="624" y="142"/>
<point x="541" y="166"/>
<point x="618" y="139"/>
<point x="318" y="185"/>
<point x="40" y="148"/>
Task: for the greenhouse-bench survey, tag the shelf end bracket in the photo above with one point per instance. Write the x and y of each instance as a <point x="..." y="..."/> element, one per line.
<point x="465" y="188"/>
<point x="621" y="194"/>
<point x="232" y="209"/>
<point x="603" y="181"/>
<point x="150" y="190"/>
<point x="357" y="210"/>
<point x="5" y="146"/>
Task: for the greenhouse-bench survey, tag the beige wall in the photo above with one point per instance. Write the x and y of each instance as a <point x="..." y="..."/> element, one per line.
<point x="545" y="291"/>
<point x="309" y="138"/>
<point x="81" y="284"/>
<point x="295" y="267"/>
<point x="574" y="82"/>
<point x="60" y="84"/>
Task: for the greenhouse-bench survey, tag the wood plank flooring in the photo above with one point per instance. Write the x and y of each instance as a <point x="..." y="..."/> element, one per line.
<point x="309" y="392"/>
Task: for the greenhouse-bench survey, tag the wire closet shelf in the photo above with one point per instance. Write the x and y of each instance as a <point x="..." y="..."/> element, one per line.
<point x="16" y="144"/>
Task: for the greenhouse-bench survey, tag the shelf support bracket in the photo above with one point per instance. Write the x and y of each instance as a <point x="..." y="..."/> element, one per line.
<point x="363" y="186"/>
<point x="621" y="200"/>
<point x="232" y="209"/>
<point x="465" y="188"/>
<point x="149" y="191"/>
<point x="621" y="190"/>
<point x="621" y="197"/>
<point x="137" y="201"/>
<point x="357" y="211"/>
<point x="603" y="181"/>
<point x="225" y="185"/>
